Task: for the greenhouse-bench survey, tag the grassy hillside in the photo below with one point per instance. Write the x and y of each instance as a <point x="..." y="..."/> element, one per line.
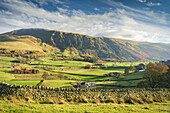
<point x="96" y="46"/>
<point x="24" y="42"/>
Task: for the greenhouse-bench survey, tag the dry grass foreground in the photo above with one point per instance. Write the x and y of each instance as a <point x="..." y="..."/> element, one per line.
<point x="10" y="106"/>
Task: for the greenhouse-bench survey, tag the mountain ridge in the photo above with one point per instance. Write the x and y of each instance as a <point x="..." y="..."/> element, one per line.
<point x="101" y="47"/>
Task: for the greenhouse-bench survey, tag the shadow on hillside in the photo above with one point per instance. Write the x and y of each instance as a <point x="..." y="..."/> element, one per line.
<point x="6" y="39"/>
<point x="114" y="68"/>
<point x="45" y="65"/>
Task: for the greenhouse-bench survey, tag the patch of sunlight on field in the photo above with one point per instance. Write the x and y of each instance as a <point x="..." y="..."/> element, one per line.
<point x="24" y="45"/>
<point x="106" y="82"/>
<point x="24" y="82"/>
<point x="28" y="76"/>
<point x="125" y="63"/>
<point x="6" y="76"/>
<point x="7" y="58"/>
<point x="77" y="64"/>
<point x="49" y="83"/>
<point x="58" y="83"/>
<point x="99" y="72"/>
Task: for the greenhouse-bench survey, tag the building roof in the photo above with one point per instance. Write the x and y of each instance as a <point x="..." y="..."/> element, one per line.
<point x="114" y="73"/>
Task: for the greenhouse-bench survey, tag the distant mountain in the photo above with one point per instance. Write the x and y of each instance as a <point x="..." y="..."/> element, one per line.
<point x="96" y="46"/>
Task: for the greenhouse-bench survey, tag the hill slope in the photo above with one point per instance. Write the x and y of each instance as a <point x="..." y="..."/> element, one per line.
<point x="25" y="42"/>
<point x="96" y="46"/>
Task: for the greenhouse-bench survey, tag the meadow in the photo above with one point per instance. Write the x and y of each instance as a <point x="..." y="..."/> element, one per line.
<point x="7" y="107"/>
<point x="73" y="69"/>
<point x="93" y="102"/>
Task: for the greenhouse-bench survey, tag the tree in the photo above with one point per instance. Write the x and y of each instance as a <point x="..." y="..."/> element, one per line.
<point x="157" y="75"/>
<point x="89" y="66"/>
<point x="132" y="68"/>
<point x="45" y="75"/>
<point x="151" y="65"/>
<point x="127" y="70"/>
<point x="160" y="67"/>
<point x="93" y="60"/>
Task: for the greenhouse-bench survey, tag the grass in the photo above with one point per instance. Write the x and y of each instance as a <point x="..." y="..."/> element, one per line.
<point x="116" y="64"/>
<point x="137" y="75"/>
<point x="24" y="44"/>
<point x="49" y="83"/>
<point x="6" y="107"/>
<point x="7" y="58"/>
<point x="24" y="82"/>
<point x="125" y="82"/>
<point x="58" y="83"/>
<point x="77" y="64"/>
<point x="77" y="71"/>
<point x="28" y="76"/>
<point x="5" y="76"/>
<point x="99" y="72"/>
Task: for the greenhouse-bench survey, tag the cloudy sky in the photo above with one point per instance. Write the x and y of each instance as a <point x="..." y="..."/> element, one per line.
<point x="138" y="20"/>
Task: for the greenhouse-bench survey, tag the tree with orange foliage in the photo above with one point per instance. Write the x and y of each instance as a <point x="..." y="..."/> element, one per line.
<point x="160" y="67"/>
<point x="156" y="76"/>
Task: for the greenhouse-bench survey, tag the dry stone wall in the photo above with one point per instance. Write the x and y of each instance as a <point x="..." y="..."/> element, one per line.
<point x="40" y="92"/>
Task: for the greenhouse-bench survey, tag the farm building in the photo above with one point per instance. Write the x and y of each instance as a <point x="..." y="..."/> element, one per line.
<point x="90" y="84"/>
<point x="113" y="74"/>
<point x="140" y="67"/>
<point x="141" y="70"/>
<point x="84" y="84"/>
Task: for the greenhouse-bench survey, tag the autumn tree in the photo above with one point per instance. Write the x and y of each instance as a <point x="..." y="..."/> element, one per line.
<point x="89" y="66"/>
<point x="155" y="76"/>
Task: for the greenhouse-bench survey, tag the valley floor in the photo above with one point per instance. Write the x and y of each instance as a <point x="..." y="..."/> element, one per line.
<point x="72" y="69"/>
<point x="8" y="107"/>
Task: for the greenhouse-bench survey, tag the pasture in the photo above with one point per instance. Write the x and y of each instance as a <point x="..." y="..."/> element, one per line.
<point x="6" y="107"/>
<point x="73" y="69"/>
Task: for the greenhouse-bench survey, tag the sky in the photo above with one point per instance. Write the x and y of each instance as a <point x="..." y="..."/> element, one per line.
<point x="137" y="20"/>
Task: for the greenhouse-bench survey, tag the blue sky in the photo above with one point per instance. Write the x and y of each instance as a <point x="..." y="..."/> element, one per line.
<point x="138" y="20"/>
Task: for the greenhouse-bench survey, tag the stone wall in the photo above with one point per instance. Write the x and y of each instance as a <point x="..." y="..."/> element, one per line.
<point x="40" y="92"/>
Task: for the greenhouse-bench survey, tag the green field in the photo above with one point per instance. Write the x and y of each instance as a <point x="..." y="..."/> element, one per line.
<point x="5" y="76"/>
<point x="50" y="83"/>
<point x="74" y="69"/>
<point x="78" y="73"/>
<point x="7" y="106"/>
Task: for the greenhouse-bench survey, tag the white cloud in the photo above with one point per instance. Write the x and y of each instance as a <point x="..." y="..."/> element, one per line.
<point x="45" y="2"/>
<point x="142" y="1"/>
<point x="125" y="24"/>
<point x="61" y="10"/>
<point x="96" y="9"/>
<point x="153" y="4"/>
